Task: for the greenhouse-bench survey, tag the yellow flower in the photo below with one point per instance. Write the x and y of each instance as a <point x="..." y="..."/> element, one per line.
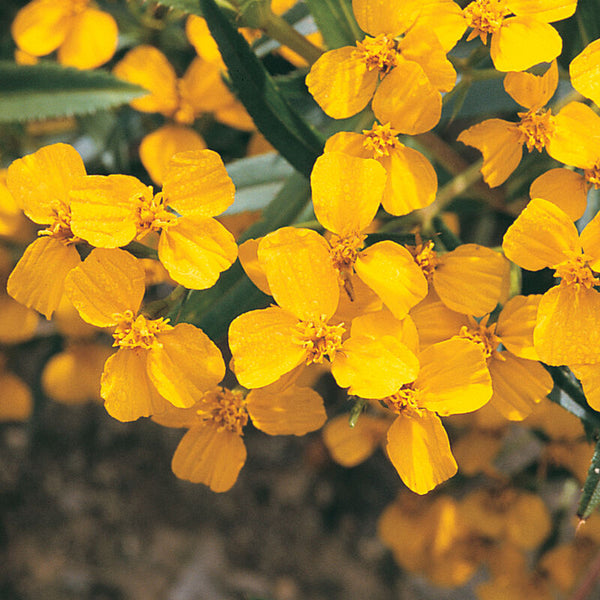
<point x="84" y="36"/>
<point x="585" y="71"/>
<point x="542" y="236"/>
<point x="520" y="41"/>
<point x="411" y="180"/>
<point x="266" y="344"/>
<point x="111" y="211"/>
<point x="41" y="183"/>
<point x="518" y="381"/>
<point x="16" y="403"/>
<point x="470" y="279"/>
<point x="501" y="142"/>
<point x="346" y="193"/>
<point x="200" y="90"/>
<point x="167" y="363"/>
<point x="212" y="451"/>
<point x="403" y="76"/>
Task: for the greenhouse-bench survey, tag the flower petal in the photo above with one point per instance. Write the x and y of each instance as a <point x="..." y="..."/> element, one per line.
<point x="38" y="279"/>
<point x="105" y="283"/>
<point x="263" y="347"/>
<point x="532" y="91"/>
<point x="346" y="191"/>
<point x="379" y="323"/>
<point x="300" y="272"/>
<point x="567" y="329"/>
<point x="17" y="401"/>
<point x="522" y="42"/>
<point x="17" y="322"/>
<point x="196" y="250"/>
<point x="543" y="10"/>
<point x="91" y="41"/>
<point x="407" y="99"/>
<point x="454" y="378"/>
<point x="585" y="72"/>
<point x="206" y="455"/>
<point x="419" y="449"/>
<point x="341" y="83"/>
<point x="516" y="322"/>
<point x="248" y="255"/>
<point x="590" y="242"/>
<point x="379" y="16"/>
<point x="563" y="187"/>
<point x="472" y="279"/>
<point x="390" y="271"/>
<point x="158" y="147"/>
<point x="290" y="411"/>
<point x="500" y="143"/>
<point x="541" y="236"/>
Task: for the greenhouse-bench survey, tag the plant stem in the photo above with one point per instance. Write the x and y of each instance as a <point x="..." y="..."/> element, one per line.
<point x="279" y="29"/>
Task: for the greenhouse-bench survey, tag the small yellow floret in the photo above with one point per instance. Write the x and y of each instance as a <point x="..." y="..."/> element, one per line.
<point x="576" y="271"/>
<point x="483" y="335"/>
<point x="536" y="127"/>
<point x="592" y="176"/>
<point x="60" y="228"/>
<point x="138" y="332"/>
<point x="485" y="17"/>
<point x="425" y="256"/>
<point x="319" y="339"/>
<point x="152" y="214"/>
<point x="405" y="400"/>
<point x="224" y="408"/>
<point x="345" y="250"/>
<point x="378" y="53"/>
<point x="380" y="139"/>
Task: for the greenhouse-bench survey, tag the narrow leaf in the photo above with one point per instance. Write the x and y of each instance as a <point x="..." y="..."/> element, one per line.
<point x="48" y="90"/>
<point x="590" y="497"/>
<point x="335" y="21"/>
<point x="287" y="132"/>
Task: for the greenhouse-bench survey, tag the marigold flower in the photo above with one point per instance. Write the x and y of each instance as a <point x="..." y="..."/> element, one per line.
<point x="111" y="211"/>
<point x="567" y="330"/>
<point x="200" y="90"/>
<point x="411" y="180"/>
<point x="168" y="363"/>
<point x="212" y="451"/>
<point x="403" y="76"/>
<point x="522" y="40"/>
<point x="84" y="36"/>
<point x="41" y="183"/>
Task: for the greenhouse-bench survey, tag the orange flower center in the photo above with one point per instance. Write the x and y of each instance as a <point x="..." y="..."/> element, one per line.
<point x="426" y="257"/>
<point x="152" y="214"/>
<point x="380" y="139"/>
<point x="319" y="339"/>
<point x="138" y="332"/>
<point x="225" y="408"/>
<point x="482" y="335"/>
<point x="576" y="271"/>
<point x="344" y="250"/>
<point x="60" y="227"/>
<point x="485" y="17"/>
<point x="378" y="52"/>
<point x="536" y="127"/>
<point x="592" y="176"/>
<point x="405" y="400"/>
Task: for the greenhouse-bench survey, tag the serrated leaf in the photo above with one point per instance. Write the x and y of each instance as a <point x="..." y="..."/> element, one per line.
<point x="48" y="90"/>
<point x="213" y="310"/>
<point x="283" y="128"/>
<point x="590" y="497"/>
<point x="335" y="20"/>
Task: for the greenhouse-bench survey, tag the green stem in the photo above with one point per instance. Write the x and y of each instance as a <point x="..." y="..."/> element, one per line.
<point x="279" y="29"/>
<point x="159" y="307"/>
<point x="349" y="14"/>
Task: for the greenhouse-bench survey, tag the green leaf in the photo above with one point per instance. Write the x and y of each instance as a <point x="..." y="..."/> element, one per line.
<point x="192" y="7"/>
<point x="213" y="310"/>
<point x="590" y="497"/>
<point x="48" y="90"/>
<point x="336" y="22"/>
<point x="287" y="132"/>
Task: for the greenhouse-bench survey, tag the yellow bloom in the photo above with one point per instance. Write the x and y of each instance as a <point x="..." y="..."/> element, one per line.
<point x="200" y="90"/>
<point x="501" y="142"/>
<point x="168" y="363"/>
<point x="41" y="183"/>
<point x="403" y="76"/>
<point x="567" y="329"/>
<point x="518" y="381"/>
<point x="524" y="39"/>
<point x="212" y="451"/>
<point x="267" y="344"/>
<point x="84" y="36"/>
<point x="16" y="403"/>
<point x="585" y="72"/>
<point x="470" y="279"/>
<point x="346" y="193"/>
<point x="411" y="180"/>
<point x="111" y="211"/>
